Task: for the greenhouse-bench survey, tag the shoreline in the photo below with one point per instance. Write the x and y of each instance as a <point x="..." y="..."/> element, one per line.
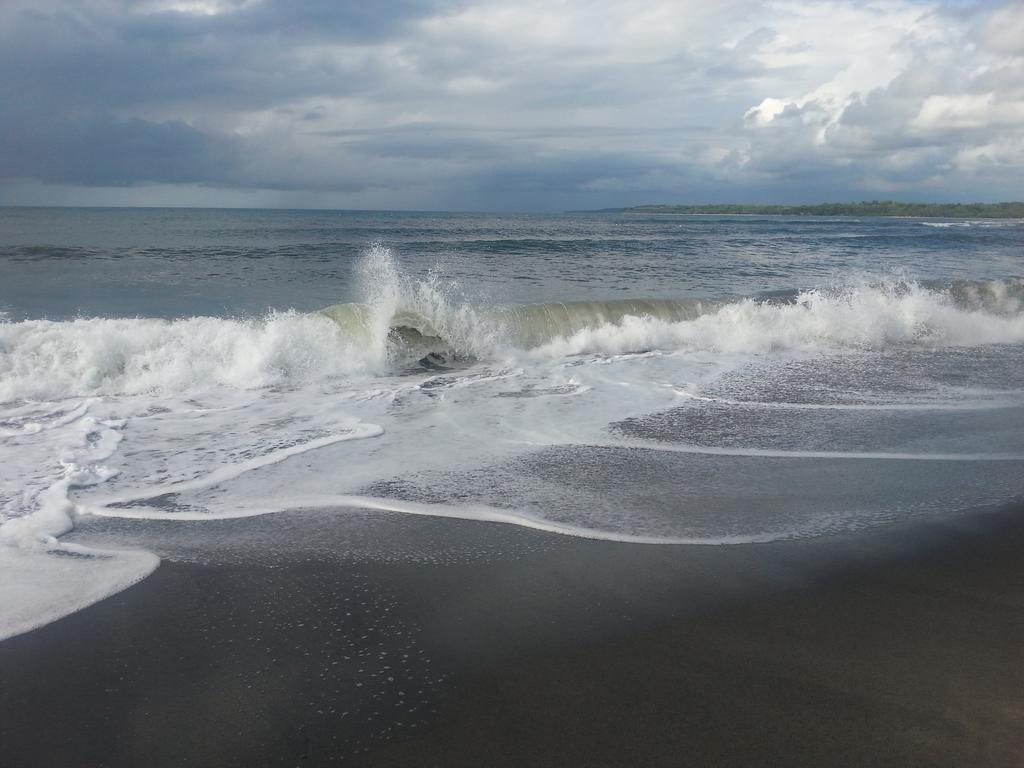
<point x="1010" y="219"/>
<point x="894" y="646"/>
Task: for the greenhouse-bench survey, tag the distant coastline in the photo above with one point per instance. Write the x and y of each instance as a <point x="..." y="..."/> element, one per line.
<point x="1013" y="210"/>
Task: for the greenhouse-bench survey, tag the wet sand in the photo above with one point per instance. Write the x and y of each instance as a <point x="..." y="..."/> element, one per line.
<point x="902" y="647"/>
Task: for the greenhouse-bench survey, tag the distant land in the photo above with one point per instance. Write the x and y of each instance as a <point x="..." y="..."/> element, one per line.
<point x="866" y="208"/>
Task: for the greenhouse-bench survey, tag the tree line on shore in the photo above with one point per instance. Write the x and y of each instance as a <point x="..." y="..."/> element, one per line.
<point x="1013" y="210"/>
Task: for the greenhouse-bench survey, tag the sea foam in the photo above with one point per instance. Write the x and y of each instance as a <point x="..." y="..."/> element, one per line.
<point x="44" y="578"/>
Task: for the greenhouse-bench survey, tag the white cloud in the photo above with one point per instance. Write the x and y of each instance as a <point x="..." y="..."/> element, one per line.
<point x="935" y="100"/>
<point x="1003" y="30"/>
<point x="200" y="7"/>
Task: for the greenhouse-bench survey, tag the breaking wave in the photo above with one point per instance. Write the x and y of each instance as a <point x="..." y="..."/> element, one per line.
<point x="403" y="323"/>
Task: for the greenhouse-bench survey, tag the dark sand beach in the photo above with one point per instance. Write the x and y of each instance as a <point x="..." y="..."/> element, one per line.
<point x="900" y="646"/>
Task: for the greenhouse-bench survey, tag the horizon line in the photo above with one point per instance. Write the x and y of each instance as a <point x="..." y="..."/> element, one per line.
<point x="607" y="209"/>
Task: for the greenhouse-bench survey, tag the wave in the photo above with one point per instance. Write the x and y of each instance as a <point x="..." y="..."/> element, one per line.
<point x="863" y="316"/>
<point x="989" y="223"/>
<point x="407" y="320"/>
<point x="41" y="359"/>
<point x="403" y="322"/>
<point x="481" y="331"/>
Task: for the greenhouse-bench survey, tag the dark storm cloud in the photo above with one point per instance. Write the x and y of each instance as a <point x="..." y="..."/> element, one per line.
<point x="72" y="70"/>
<point x="329" y="19"/>
<point x="101" y="151"/>
<point x="92" y="55"/>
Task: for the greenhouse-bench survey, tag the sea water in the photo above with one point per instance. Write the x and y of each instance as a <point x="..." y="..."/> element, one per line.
<point x="661" y="380"/>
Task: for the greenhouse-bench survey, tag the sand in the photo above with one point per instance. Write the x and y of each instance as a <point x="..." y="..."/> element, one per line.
<point x="899" y="646"/>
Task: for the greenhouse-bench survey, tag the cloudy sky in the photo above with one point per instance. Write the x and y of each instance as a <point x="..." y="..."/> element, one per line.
<point x="508" y="104"/>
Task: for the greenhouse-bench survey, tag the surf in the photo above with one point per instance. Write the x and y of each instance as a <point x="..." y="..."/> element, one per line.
<point x="421" y="398"/>
<point x="408" y="325"/>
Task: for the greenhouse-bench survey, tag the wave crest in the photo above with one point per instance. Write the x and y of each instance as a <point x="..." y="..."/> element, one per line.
<point x="41" y="359"/>
<point x="863" y="317"/>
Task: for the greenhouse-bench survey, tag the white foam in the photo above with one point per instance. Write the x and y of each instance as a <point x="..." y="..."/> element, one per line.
<point x="52" y="419"/>
<point x="80" y="460"/>
<point x="43" y="578"/>
<point x="475" y="512"/>
<point x="231" y="471"/>
<point x="797" y="454"/>
<point x="965" y="405"/>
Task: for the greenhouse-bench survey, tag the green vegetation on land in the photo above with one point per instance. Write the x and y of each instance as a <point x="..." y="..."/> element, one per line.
<point x="866" y="208"/>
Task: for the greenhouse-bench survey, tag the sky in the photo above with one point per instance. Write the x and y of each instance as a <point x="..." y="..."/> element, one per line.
<point x="526" y="105"/>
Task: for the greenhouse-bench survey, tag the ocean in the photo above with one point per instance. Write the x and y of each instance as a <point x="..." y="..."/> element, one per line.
<point x="660" y="380"/>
